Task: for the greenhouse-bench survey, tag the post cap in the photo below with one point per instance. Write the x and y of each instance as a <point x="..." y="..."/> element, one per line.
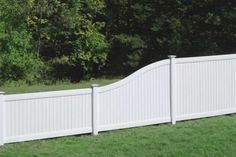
<point x="95" y="85"/>
<point x="1" y="92"/>
<point x="172" y="56"/>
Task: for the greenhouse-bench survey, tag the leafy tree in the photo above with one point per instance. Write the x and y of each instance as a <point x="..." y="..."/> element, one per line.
<point x="68" y="34"/>
<point x="17" y="60"/>
<point x="74" y="39"/>
<point x="160" y="28"/>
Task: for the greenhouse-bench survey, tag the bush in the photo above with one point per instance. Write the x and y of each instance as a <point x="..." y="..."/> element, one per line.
<point x="25" y="67"/>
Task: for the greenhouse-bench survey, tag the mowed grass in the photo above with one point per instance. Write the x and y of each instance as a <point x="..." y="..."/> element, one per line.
<point x="210" y="137"/>
<point x="15" y="89"/>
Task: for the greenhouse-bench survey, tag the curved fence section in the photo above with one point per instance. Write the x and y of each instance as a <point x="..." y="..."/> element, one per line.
<point x="141" y="98"/>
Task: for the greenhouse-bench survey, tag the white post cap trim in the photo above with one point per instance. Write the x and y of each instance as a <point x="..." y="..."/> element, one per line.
<point x="172" y="56"/>
<point x="95" y="85"/>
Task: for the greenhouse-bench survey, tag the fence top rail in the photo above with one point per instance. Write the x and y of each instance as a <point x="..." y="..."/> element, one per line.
<point x="134" y="75"/>
<point x="51" y="94"/>
<point x="205" y="58"/>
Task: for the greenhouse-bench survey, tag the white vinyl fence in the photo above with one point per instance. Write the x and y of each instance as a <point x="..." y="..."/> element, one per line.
<point x="167" y="91"/>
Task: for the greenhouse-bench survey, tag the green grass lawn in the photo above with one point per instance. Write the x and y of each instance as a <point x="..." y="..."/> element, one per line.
<point x="210" y="137"/>
<point x="13" y="89"/>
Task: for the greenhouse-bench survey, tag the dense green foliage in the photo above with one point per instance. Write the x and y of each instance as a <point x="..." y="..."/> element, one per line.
<point x="17" y="60"/>
<point x="68" y="35"/>
<point x="210" y="137"/>
<point x="75" y="39"/>
<point x="143" y="31"/>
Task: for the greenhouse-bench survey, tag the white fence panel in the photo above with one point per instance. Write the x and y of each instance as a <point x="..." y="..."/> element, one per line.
<point x="140" y="99"/>
<point x="206" y="86"/>
<point x="48" y="114"/>
<point x="161" y="92"/>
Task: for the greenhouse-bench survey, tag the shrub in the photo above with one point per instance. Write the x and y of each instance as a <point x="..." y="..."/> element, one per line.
<point x="15" y="66"/>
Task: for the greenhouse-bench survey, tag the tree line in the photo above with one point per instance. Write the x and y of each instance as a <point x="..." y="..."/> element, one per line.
<point x="78" y="39"/>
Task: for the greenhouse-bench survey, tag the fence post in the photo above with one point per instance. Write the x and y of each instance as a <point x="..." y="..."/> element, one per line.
<point x="2" y="118"/>
<point x="172" y="89"/>
<point x="95" y="106"/>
